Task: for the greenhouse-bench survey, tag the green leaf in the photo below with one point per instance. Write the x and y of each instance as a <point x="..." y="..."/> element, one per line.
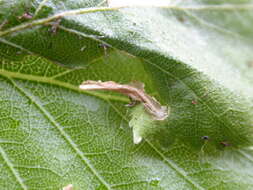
<point x="144" y="125"/>
<point x="194" y="56"/>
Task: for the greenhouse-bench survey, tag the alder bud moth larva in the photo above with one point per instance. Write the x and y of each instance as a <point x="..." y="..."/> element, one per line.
<point x="135" y="91"/>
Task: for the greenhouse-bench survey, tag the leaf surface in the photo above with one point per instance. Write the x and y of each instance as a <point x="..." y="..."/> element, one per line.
<point x="194" y="57"/>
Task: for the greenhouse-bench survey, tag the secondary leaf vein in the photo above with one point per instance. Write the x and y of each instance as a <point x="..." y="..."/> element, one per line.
<point x="42" y="21"/>
<point x="12" y="169"/>
<point x="172" y="165"/>
<point x="67" y="138"/>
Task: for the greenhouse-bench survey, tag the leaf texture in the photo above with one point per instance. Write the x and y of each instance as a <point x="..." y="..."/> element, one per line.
<point x="193" y="56"/>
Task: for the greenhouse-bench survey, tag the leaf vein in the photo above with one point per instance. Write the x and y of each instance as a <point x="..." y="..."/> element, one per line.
<point x="41" y="5"/>
<point x="167" y="161"/>
<point x="245" y="155"/>
<point x="180" y="171"/>
<point x="62" y="133"/>
<point x="213" y="26"/>
<point x="42" y="21"/>
<point x="69" y="86"/>
<point x="12" y="169"/>
<point x="216" y="116"/>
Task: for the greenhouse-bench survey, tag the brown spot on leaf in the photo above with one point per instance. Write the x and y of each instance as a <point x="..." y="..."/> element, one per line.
<point x="194" y="102"/>
<point x="205" y="138"/>
<point x="225" y="143"/>
<point x="181" y="19"/>
<point x="250" y="64"/>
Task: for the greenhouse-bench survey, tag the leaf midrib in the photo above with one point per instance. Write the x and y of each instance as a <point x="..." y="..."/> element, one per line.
<point x="55" y="82"/>
<point x="108" y="98"/>
<point x="67" y="85"/>
<point x="52" y="81"/>
<point x="36" y="102"/>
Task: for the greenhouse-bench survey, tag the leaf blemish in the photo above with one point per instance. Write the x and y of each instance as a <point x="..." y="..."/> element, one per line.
<point x="135" y="91"/>
<point x="194" y="102"/>
<point x="250" y="64"/>
<point x="181" y="19"/>
<point x="225" y="144"/>
<point x="205" y="138"/>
